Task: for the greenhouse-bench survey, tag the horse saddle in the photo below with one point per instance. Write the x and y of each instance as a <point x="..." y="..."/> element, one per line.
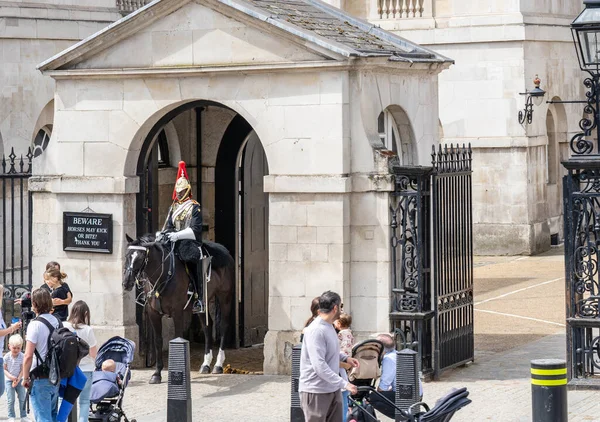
<point x="192" y="251"/>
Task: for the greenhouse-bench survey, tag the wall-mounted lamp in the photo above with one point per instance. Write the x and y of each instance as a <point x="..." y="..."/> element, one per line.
<point x="535" y="96"/>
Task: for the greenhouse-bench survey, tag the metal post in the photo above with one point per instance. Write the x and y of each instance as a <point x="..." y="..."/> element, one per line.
<point x="407" y="380"/>
<point x="296" y="414"/>
<point x="549" y="390"/>
<point x="179" y="396"/>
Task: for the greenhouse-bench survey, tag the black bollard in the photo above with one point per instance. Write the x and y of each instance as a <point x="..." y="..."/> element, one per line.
<point x="407" y="380"/>
<point x="296" y="414"/>
<point x="549" y="390"/>
<point x="179" y="395"/>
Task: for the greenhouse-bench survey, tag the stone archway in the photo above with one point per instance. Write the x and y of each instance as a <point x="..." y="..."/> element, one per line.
<point x="212" y="139"/>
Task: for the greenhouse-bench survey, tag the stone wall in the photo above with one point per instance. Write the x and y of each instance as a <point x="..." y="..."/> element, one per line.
<point x="29" y="34"/>
<point x="498" y="47"/>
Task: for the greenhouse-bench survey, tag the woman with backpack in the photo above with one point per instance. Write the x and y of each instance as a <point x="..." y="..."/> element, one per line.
<point x="43" y="395"/>
<point x="79" y="322"/>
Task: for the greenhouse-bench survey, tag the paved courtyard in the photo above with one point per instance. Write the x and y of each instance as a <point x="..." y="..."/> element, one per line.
<point x="519" y="317"/>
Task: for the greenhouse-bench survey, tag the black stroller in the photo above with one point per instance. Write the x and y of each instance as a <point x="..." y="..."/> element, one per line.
<point x="106" y="401"/>
<point x="370" y="355"/>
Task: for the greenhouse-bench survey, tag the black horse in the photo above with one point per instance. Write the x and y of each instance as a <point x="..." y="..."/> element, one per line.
<point x="152" y="265"/>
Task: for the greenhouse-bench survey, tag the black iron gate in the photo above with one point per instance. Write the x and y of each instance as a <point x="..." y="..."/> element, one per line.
<point x="432" y="259"/>
<point x="581" y="191"/>
<point x="15" y="229"/>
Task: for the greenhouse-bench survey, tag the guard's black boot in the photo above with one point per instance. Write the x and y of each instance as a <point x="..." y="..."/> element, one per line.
<point x="198" y="306"/>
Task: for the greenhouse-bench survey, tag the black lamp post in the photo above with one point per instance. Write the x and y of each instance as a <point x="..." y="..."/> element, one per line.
<point x="586" y="36"/>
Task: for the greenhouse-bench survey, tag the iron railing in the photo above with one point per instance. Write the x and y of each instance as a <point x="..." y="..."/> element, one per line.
<point x="432" y="259"/>
<point x="452" y="244"/>
<point x="15" y="228"/>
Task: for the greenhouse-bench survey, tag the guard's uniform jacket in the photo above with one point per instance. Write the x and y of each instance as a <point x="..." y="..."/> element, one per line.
<point x="185" y="215"/>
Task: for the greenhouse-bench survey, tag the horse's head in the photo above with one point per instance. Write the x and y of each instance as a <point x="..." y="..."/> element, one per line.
<point x="136" y="259"/>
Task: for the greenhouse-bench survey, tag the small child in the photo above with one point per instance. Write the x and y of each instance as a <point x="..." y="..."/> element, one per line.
<point x="106" y="382"/>
<point x="13" y="371"/>
<point x="342" y="324"/>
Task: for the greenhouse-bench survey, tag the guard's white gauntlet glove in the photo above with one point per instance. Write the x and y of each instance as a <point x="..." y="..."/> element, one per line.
<point x="182" y="234"/>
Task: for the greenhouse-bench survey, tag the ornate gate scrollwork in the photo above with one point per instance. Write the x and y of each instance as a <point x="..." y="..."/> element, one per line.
<point x="431" y="254"/>
<point x="582" y="251"/>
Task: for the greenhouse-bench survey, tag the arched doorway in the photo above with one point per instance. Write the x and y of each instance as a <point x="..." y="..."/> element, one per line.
<point x="226" y="165"/>
<point x="556" y="151"/>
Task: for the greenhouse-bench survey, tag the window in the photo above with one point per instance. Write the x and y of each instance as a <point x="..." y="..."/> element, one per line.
<point x="388" y="132"/>
<point x="40" y="143"/>
<point x="163" y="150"/>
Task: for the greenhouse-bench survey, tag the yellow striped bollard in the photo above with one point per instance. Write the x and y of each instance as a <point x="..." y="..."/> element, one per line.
<point x="549" y="390"/>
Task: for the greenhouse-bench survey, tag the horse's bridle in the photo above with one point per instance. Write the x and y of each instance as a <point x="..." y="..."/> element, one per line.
<point x="141" y="278"/>
<point x="143" y="267"/>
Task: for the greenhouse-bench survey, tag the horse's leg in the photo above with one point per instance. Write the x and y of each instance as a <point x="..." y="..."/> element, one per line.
<point x="225" y="301"/>
<point x="156" y="321"/>
<point x="208" y="343"/>
<point x="178" y="323"/>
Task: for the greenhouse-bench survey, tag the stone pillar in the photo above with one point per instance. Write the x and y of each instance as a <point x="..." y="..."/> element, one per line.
<point x="93" y="277"/>
<point x="309" y="250"/>
<point x="370" y="255"/>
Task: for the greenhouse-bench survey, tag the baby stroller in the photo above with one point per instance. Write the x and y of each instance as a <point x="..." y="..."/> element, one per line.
<point x="370" y="354"/>
<point x="106" y="398"/>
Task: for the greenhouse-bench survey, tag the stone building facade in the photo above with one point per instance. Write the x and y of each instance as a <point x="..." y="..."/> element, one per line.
<point x="498" y="48"/>
<point x="292" y="100"/>
<point x="304" y="115"/>
<point x="30" y="33"/>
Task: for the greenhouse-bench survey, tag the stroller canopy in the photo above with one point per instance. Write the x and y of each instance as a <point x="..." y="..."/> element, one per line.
<point x="118" y="349"/>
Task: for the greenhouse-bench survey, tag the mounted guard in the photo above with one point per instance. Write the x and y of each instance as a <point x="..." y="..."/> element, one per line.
<point x="184" y="222"/>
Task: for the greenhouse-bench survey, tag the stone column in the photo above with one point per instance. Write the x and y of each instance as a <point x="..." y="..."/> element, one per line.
<point x="370" y="254"/>
<point x="93" y="277"/>
<point x="309" y="251"/>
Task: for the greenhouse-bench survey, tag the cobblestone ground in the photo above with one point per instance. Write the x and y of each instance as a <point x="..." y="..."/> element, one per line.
<point x="499" y="386"/>
<point x="519" y="316"/>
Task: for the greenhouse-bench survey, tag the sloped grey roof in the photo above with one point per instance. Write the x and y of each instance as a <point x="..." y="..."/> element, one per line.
<point x="331" y="23"/>
<point x="312" y="20"/>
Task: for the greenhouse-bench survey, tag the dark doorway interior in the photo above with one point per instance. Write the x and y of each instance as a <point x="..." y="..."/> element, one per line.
<point x="240" y="215"/>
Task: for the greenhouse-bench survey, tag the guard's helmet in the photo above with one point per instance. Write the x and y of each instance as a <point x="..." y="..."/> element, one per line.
<point x="183" y="188"/>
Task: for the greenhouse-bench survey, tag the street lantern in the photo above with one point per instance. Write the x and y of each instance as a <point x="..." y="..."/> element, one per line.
<point x="535" y="96"/>
<point x="586" y="36"/>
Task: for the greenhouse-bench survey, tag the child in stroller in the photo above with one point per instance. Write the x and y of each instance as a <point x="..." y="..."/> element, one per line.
<point x="370" y="355"/>
<point x="110" y="379"/>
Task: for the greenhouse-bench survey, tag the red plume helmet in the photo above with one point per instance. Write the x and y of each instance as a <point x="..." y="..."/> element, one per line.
<point x="182" y="182"/>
